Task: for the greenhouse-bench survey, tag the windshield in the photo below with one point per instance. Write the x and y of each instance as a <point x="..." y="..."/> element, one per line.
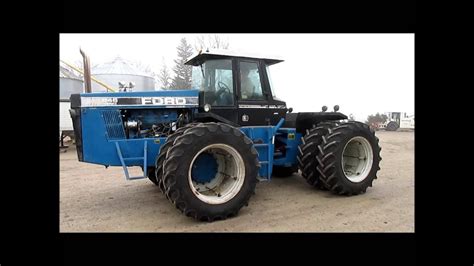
<point x="214" y="78"/>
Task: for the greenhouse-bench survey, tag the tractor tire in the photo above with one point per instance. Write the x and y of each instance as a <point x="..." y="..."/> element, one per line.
<point x="281" y="171"/>
<point x="151" y="175"/>
<point x="307" y="152"/>
<point x="392" y="126"/>
<point x="349" y="158"/>
<point x="211" y="171"/>
<point x="162" y="155"/>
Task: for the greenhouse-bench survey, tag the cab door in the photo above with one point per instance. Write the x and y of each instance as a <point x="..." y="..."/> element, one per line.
<point x="253" y="95"/>
<point x="220" y="74"/>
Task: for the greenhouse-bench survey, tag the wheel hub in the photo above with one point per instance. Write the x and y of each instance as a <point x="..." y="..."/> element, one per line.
<point x="204" y="168"/>
<point x="357" y="158"/>
<point x="217" y="173"/>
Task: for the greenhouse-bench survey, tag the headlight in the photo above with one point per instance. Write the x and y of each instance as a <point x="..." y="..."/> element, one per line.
<point x="336" y="108"/>
<point x="207" y="107"/>
<point x="325" y="108"/>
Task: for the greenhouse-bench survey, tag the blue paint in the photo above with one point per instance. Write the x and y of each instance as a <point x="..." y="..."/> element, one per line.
<point x="290" y="139"/>
<point x="204" y="168"/>
<point x="124" y="160"/>
<point x="262" y="137"/>
<point x="99" y="147"/>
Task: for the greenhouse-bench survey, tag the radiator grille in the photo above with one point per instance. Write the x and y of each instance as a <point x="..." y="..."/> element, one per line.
<point x="113" y="124"/>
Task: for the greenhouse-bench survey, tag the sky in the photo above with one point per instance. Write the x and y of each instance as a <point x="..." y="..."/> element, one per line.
<point x="362" y="73"/>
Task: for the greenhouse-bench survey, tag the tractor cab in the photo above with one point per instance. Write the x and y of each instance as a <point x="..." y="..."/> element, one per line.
<point x="236" y="87"/>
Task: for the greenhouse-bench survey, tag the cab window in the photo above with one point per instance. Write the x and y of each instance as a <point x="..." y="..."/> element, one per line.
<point x="214" y="77"/>
<point x="250" y="83"/>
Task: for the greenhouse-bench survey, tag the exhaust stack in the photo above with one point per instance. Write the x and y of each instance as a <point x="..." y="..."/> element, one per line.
<point x="87" y="71"/>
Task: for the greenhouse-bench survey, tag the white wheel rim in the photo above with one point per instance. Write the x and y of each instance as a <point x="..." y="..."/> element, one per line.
<point x="357" y="158"/>
<point x="229" y="177"/>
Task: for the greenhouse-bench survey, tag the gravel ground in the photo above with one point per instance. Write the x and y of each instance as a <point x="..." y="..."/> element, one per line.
<point x="95" y="199"/>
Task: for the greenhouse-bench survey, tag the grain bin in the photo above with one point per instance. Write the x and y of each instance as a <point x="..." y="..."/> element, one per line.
<point x="120" y="70"/>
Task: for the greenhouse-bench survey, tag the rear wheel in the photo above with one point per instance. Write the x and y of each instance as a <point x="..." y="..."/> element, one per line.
<point x="307" y="152"/>
<point x="349" y="158"/>
<point x="211" y="171"/>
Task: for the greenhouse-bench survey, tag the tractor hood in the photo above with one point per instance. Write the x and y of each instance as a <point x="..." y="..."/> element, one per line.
<point x="140" y="99"/>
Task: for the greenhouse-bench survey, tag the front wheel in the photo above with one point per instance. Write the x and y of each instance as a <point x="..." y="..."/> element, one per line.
<point x="158" y="174"/>
<point x="211" y="171"/>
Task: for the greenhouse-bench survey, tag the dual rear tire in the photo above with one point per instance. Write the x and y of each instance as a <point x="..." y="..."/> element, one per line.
<point x="341" y="157"/>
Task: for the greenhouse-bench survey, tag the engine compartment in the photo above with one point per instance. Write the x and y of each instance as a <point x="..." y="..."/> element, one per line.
<point x="152" y="123"/>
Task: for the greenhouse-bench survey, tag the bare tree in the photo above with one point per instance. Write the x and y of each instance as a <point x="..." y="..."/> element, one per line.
<point x="143" y="67"/>
<point x="164" y="76"/>
<point x="210" y="41"/>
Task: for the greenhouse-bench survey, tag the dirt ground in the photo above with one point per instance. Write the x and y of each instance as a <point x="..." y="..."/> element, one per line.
<point x="95" y="199"/>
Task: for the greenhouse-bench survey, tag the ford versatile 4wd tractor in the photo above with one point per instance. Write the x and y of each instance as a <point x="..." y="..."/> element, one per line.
<point x="207" y="148"/>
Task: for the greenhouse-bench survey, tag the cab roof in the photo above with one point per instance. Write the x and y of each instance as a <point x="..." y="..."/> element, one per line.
<point x="207" y="54"/>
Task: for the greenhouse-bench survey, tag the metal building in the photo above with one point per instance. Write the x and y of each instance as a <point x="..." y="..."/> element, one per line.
<point x="119" y="70"/>
<point x="69" y="83"/>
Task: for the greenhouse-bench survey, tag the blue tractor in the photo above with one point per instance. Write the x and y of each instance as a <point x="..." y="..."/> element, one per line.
<point x="207" y="148"/>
